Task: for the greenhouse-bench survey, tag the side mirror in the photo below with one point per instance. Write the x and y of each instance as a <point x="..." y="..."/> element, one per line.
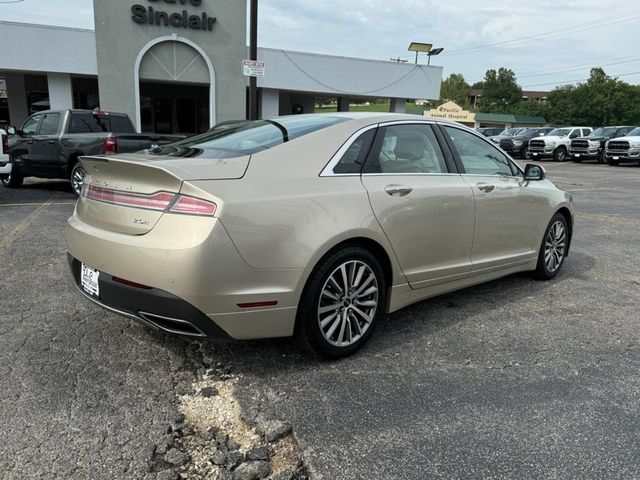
<point x="534" y="173"/>
<point x="11" y="130"/>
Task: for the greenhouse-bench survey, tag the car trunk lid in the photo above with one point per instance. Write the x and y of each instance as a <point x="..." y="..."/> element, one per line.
<point x="130" y="193"/>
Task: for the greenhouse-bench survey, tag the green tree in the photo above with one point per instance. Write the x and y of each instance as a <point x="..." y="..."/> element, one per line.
<point x="501" y="91"/>
<point x="456" y="89"/>
<point x="529" y="107"/>
<point x="599" y="101"/>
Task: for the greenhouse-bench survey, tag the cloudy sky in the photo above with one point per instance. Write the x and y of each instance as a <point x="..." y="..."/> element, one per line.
<point x="546" y="42"/>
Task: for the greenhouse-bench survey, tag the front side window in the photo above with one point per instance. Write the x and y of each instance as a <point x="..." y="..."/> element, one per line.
<point x="479" y="157"/>
<point x="30" y="126"/>
<point x="50" y="124"/>
<point x="402" y="149"/>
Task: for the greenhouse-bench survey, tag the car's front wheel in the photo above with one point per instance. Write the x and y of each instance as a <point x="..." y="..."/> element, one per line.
<point x="560" y="155"/>
<point x="343" y="300"/>
<point x="554" y="248"/>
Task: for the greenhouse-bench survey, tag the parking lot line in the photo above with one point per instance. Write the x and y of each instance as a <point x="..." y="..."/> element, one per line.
<point x="8" y="240"/>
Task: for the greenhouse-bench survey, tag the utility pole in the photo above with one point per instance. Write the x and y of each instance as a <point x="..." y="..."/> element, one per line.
<point x="253" y="55"/>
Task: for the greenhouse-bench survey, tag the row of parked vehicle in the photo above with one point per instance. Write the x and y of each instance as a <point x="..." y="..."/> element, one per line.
<point x="49" y="144"/>
<point x="613" y="145"/>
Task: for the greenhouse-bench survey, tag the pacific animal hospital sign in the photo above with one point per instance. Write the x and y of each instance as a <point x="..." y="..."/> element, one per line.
<point x="452" y="111"/>
<point x="156" y="15"/>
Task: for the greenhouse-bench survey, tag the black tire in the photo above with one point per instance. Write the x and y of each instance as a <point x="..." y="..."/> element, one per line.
<point x="545" y="270"/>
<point x="560" y="154"/>
<point x="309" y="317"/>
<point x="601" y="158"/>
<point x="76" y="177"/>
<point x="523" y="152"/>
<point x="13" y="180"/>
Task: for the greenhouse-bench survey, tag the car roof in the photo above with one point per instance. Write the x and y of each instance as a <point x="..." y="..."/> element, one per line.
<point x="376" y="117"/>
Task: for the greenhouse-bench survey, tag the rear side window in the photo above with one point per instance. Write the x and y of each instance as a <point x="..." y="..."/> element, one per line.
<point x="355" y="156"/>
<point x="89" y="123"/>
<point x="49" y="125"/>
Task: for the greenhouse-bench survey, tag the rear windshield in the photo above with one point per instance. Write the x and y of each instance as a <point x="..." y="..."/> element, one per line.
<point x="89" y="123"/>
<point x="239" y="138"/>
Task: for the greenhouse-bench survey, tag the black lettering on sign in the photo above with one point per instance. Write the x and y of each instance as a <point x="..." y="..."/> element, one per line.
<point x="141" y="15"/>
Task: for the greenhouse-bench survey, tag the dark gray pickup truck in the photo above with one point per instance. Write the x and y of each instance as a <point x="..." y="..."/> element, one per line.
<point x="49" y="143"/>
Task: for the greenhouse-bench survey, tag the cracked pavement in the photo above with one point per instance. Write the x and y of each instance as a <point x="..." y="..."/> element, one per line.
<point x="511" y="379"/>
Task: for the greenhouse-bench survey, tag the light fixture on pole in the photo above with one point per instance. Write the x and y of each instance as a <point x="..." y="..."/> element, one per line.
<point x="420" y="47"/>
<point x="435" y="51"/>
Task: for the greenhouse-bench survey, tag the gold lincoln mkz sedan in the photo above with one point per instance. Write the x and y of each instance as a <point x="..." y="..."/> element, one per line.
<point x="309" y="225"/>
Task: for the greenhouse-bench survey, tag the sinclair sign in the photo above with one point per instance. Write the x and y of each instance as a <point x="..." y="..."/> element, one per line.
<point x="155" y="14"/>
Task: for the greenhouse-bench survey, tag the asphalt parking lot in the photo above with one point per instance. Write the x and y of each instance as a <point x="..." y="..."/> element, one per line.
<point x="512" y="379"/>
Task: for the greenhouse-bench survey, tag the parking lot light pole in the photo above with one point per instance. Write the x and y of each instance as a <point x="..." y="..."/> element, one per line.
<point x="253" y="55"/>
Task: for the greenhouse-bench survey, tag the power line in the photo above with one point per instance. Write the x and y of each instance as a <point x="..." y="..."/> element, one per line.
<point x="565" y="82"/>
<point x="602" y="22"/>
<point x="582" y="67"/>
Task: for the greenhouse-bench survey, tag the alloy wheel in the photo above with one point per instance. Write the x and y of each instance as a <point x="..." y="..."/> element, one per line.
<point x="555" y="246"/>
<point x="348" y="303"/>
<point x="77" y="180"/>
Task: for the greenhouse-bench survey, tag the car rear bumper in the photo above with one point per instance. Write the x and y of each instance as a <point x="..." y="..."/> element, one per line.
<point x="5" y="165"/>
<point x="152" y="307"/>
<point x="196" y="277"/>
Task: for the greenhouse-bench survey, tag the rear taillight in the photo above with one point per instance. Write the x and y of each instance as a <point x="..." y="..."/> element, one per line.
<point x="5" y="144"/>
<point x="110" y="146"/>
<point x="157" y="201"/>
<point x="193" y="206"/>
<point x="160" y="201"/>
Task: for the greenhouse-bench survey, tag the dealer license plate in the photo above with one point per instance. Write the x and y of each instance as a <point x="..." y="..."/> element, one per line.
<point x="616" y="158"/>
<point x="89" y="280"/>
<point x="577" y="155"/>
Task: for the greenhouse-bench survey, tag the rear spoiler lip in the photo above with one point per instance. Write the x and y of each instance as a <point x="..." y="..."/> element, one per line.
<point x="186" y="176"/>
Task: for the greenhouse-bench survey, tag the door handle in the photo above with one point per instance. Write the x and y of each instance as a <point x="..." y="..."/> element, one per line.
<point x="398" y="190"/>
<point x="51" y="142"/>
<point x="30" y="142"/>
<point x="486" y="188"/>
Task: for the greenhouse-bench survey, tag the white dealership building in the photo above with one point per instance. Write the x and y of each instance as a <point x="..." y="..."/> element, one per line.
<point x="176" y="67"/>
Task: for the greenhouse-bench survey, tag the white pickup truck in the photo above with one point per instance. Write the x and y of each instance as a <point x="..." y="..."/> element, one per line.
<point x="623" y="149"/>
<point x="556" y="143"/>
<point x="5" y="164"/>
